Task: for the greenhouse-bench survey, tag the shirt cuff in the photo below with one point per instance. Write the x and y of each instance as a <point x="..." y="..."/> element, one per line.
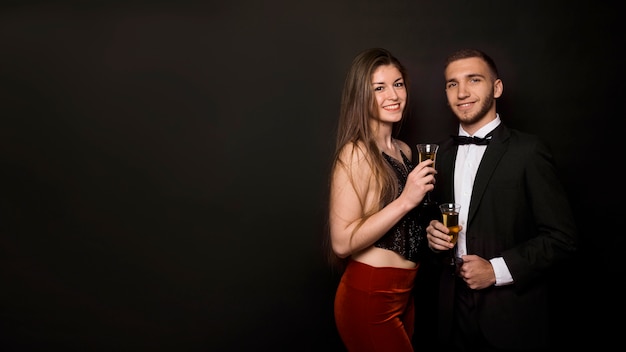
<point x="503" y="276"/>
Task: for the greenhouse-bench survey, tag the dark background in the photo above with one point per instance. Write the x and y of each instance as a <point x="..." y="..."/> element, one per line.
<point x="164" y="164"/>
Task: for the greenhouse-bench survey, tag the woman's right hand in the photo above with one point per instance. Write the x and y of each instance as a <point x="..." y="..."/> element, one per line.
<point x="419" y="182"/>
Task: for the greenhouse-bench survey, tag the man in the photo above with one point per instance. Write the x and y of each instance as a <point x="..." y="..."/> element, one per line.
<point x="517" y="226"/>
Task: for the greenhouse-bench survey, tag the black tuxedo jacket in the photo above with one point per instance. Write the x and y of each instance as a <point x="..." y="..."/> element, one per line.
<point x="518" y="211"/>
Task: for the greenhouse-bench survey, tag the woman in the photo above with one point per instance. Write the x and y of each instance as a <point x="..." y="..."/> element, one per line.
<point x="374" y="191"/>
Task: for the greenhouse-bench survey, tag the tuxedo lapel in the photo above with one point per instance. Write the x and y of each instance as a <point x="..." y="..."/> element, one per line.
<point x="445" y="165"/>
<point x="491" y="158"/>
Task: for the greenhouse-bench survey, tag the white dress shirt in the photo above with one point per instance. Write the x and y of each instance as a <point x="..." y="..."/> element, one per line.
<point x="468" y="159"/>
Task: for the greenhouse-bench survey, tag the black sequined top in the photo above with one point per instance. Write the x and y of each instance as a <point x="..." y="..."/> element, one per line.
<point x="407" y="236"/>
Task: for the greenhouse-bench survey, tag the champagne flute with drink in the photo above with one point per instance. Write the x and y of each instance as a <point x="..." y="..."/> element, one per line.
<point x="450" y="219"/>
<point x="427" y="151"/>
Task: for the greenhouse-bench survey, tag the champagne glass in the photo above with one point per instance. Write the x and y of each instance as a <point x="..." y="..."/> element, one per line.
<point x="427" y="151"/>
<point x="450" y="219"/>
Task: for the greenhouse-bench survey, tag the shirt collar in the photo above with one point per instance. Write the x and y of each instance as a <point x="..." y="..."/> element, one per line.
<point x="483" y="131"/>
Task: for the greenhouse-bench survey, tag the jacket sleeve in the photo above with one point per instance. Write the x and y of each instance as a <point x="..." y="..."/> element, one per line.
<point x="548" y="218"/>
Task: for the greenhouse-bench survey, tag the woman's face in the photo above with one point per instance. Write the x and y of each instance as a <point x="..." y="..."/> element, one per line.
<point x="390" y="93"/>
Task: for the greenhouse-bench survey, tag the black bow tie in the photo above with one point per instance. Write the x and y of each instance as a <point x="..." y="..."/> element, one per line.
<point x="461" y="140"/>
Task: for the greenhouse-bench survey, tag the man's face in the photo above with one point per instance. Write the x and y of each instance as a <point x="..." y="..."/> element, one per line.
<point x="471" y="90"/>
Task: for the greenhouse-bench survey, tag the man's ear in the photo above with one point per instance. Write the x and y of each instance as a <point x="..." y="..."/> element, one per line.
<point x="498" y="88"/>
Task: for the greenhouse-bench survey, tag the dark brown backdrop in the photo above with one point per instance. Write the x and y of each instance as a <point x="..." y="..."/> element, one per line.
<point x="164" y="164"/>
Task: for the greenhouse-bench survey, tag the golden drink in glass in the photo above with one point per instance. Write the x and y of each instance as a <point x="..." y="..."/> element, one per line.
<point x="427" y="151"/>
<point x="450" y="219"/>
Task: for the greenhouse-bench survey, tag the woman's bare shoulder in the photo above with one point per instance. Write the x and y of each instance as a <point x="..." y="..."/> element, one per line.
<point x="353" y="152"/>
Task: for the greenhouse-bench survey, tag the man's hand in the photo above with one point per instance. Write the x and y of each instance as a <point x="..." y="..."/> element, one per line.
<point x="477" y="272"/>
<point x="438" y="238"/>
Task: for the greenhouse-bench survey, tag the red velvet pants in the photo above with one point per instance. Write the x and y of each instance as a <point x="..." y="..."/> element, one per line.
<point x="374" y="308"/>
